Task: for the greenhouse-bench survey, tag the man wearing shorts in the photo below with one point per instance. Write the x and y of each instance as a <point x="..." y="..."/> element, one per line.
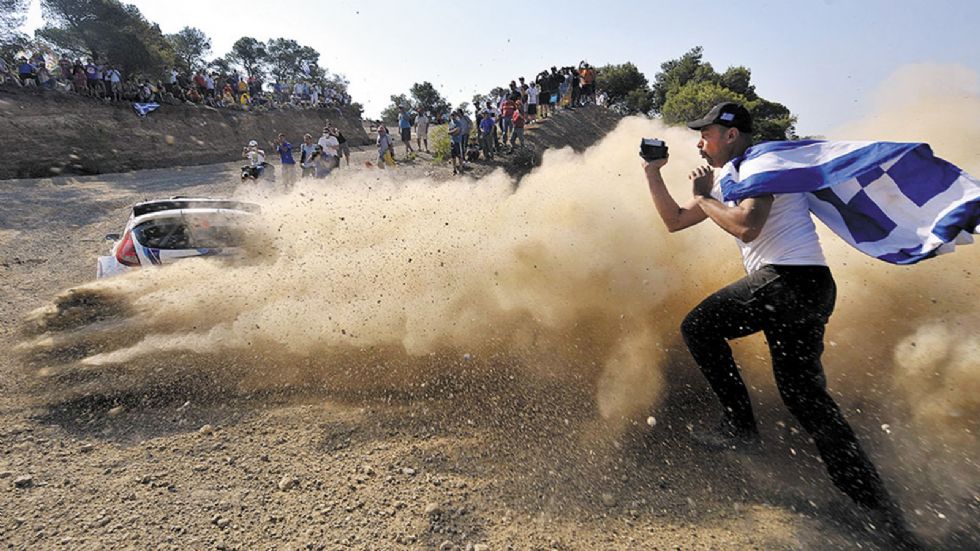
<point x="533" y="93"/>
<point x="405" y="127"/>
<point x="422" y="131"/>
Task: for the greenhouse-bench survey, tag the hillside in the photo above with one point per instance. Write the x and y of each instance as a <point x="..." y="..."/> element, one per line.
<point x="46" y="134"/>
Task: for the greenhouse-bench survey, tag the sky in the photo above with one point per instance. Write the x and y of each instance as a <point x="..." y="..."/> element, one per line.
<point x="822" y="59"/>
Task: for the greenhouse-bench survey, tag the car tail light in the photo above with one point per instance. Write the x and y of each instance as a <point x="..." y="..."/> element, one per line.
<point x="126" y="253"/>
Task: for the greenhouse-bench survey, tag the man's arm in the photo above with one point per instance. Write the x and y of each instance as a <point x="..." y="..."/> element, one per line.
<point x="745" y="220"/>
<point x="675" y="217"/>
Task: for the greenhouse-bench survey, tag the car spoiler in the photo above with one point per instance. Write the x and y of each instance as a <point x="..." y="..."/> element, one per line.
<point x="148" y="207"/>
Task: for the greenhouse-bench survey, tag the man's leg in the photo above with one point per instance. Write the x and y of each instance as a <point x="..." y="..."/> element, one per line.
<point x="796" y="350"/>
<point x="727" y="314"/>
<point x="801" y="310"/>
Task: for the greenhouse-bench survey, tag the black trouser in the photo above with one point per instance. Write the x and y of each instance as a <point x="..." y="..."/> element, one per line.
<point x="791" y="305"/>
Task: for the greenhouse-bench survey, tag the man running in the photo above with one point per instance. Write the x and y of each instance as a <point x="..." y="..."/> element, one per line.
<point x="788" y="294"/>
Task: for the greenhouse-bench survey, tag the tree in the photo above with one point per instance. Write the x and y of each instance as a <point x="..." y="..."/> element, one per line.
<point x="106" y="30"/>
<point x="625" y="86"/>
<point x="12" y="14"/>
<point x="249" y="54"/>
<point x="687" y="88"/>
<point x="692" y="100"/>
<point x="426" y="98"/>
<point x="288" y="60"/>
<point x="190" y="46"/>
<point x="390" y="113"/>
<point x="673" y="74"/>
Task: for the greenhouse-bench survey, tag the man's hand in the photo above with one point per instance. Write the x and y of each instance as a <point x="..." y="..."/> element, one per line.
<point x="703" y="180"/>
<point x="656" y="164"/>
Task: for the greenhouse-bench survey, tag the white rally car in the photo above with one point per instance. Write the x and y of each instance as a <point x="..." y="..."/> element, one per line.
<point x="163" y="231"/>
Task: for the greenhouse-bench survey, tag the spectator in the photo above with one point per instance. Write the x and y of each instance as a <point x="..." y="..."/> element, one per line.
<point x="320" y="163"/>
<point x="227" y="97"/>
<point x="81" y="82"/>
<point x="330" y="145"/>
<point x="494" y="113"/>
<point x="405" y="128"/>
<point x="115" y="83"/>
<point x="209" y="86"/>
<point x="288" y="164"/>
<point x="533" y="92"/>
<point x="422" y="130"/>
<point x="518" y="134"/>
<point x="456" y="142"/>
<point x="385" y="147"/>
<point x="44" y="78"/>
<point x="507" y="108"/>
<point x="26" y="72"/>
<point x="588" y="82"/>
<point x="344" y="147"/>
<point x="306" y="155"/>
<point x="576" y="87"/>
<point x="488" y="127"/>
<point x="466" y="125"/>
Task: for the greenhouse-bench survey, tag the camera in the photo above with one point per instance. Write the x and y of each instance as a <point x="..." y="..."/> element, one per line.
<point x="652" y="149"/>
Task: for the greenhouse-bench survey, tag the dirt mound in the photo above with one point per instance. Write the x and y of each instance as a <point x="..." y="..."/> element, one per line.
<point x="49" y="133"/>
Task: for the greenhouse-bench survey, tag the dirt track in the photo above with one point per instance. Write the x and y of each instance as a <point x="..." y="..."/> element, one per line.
<point x="481" y="459"/>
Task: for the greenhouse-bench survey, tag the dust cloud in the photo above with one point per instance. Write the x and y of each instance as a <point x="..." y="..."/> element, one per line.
<point x="569" y="275"/>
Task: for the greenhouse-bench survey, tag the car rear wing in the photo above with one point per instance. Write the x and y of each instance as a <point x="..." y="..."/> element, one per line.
<point x="148" y="207"/>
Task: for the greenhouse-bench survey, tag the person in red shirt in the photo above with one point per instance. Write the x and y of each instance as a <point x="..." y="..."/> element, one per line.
<point x="507" y="108"/>
<point x="517" y="119"/>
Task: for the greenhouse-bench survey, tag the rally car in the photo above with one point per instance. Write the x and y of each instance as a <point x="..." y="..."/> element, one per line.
<point x="163" y="231"/>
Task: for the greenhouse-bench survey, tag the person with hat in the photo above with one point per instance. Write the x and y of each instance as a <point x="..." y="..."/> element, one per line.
<point x="788" y="294"/>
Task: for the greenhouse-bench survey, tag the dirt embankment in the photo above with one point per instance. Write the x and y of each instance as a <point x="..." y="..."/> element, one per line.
<point x="45" y="134"/>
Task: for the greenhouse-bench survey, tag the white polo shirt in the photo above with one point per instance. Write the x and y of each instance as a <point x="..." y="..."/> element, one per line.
<point x="788" y="237"/>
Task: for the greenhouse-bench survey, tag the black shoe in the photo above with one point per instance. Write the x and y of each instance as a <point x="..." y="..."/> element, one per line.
<point x="888" y="521"/>
<point x="724" y="436"/>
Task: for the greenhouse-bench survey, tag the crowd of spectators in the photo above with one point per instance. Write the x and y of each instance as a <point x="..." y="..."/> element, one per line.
<point x="106" y="82"/>
<point x="501" y="120"/>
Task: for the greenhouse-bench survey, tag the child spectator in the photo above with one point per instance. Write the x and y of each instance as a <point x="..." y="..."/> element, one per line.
<point x="385" y="147"/>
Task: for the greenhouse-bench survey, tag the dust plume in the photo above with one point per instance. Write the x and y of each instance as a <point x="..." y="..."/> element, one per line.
<point x="571" y="275"/>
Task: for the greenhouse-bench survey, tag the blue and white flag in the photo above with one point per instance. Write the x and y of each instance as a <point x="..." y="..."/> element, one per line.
<point x="143" y="108"/>
<point x="894" y="201"/>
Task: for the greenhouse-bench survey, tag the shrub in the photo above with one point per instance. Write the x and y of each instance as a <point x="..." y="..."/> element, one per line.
<point x="441" y="144"/>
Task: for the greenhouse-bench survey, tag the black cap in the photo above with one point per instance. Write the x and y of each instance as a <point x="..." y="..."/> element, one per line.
<point x="729" y="114"/>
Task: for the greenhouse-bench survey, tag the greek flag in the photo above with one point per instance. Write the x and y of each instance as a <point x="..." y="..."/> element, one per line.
<point x="893" y="201"/>
<point x="142" y="109"/>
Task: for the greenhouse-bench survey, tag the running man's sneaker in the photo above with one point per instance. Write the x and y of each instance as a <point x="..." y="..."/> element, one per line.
<point x="724" y="436"/>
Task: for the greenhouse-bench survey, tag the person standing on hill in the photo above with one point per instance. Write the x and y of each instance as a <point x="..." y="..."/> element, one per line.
<point x="288" y="164"/>
<point x="456" y="142"/>
<point x="405" y="128"/>
<point x="306" y="156"/>
<point x="533" y="92"/>
<point x="343" y="148"/>
<point x="422" y="131"/>
<point x="385" y="146"/>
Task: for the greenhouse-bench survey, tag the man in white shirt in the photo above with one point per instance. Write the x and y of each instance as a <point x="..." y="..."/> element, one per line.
<point x="788" y="294"/>
<point x="330" y="146"/>
<point x="532" y="101"/>
<point x="422" y="130"/>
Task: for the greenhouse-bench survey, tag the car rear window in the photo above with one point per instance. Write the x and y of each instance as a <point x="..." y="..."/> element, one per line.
<point x="190" y="233"/>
